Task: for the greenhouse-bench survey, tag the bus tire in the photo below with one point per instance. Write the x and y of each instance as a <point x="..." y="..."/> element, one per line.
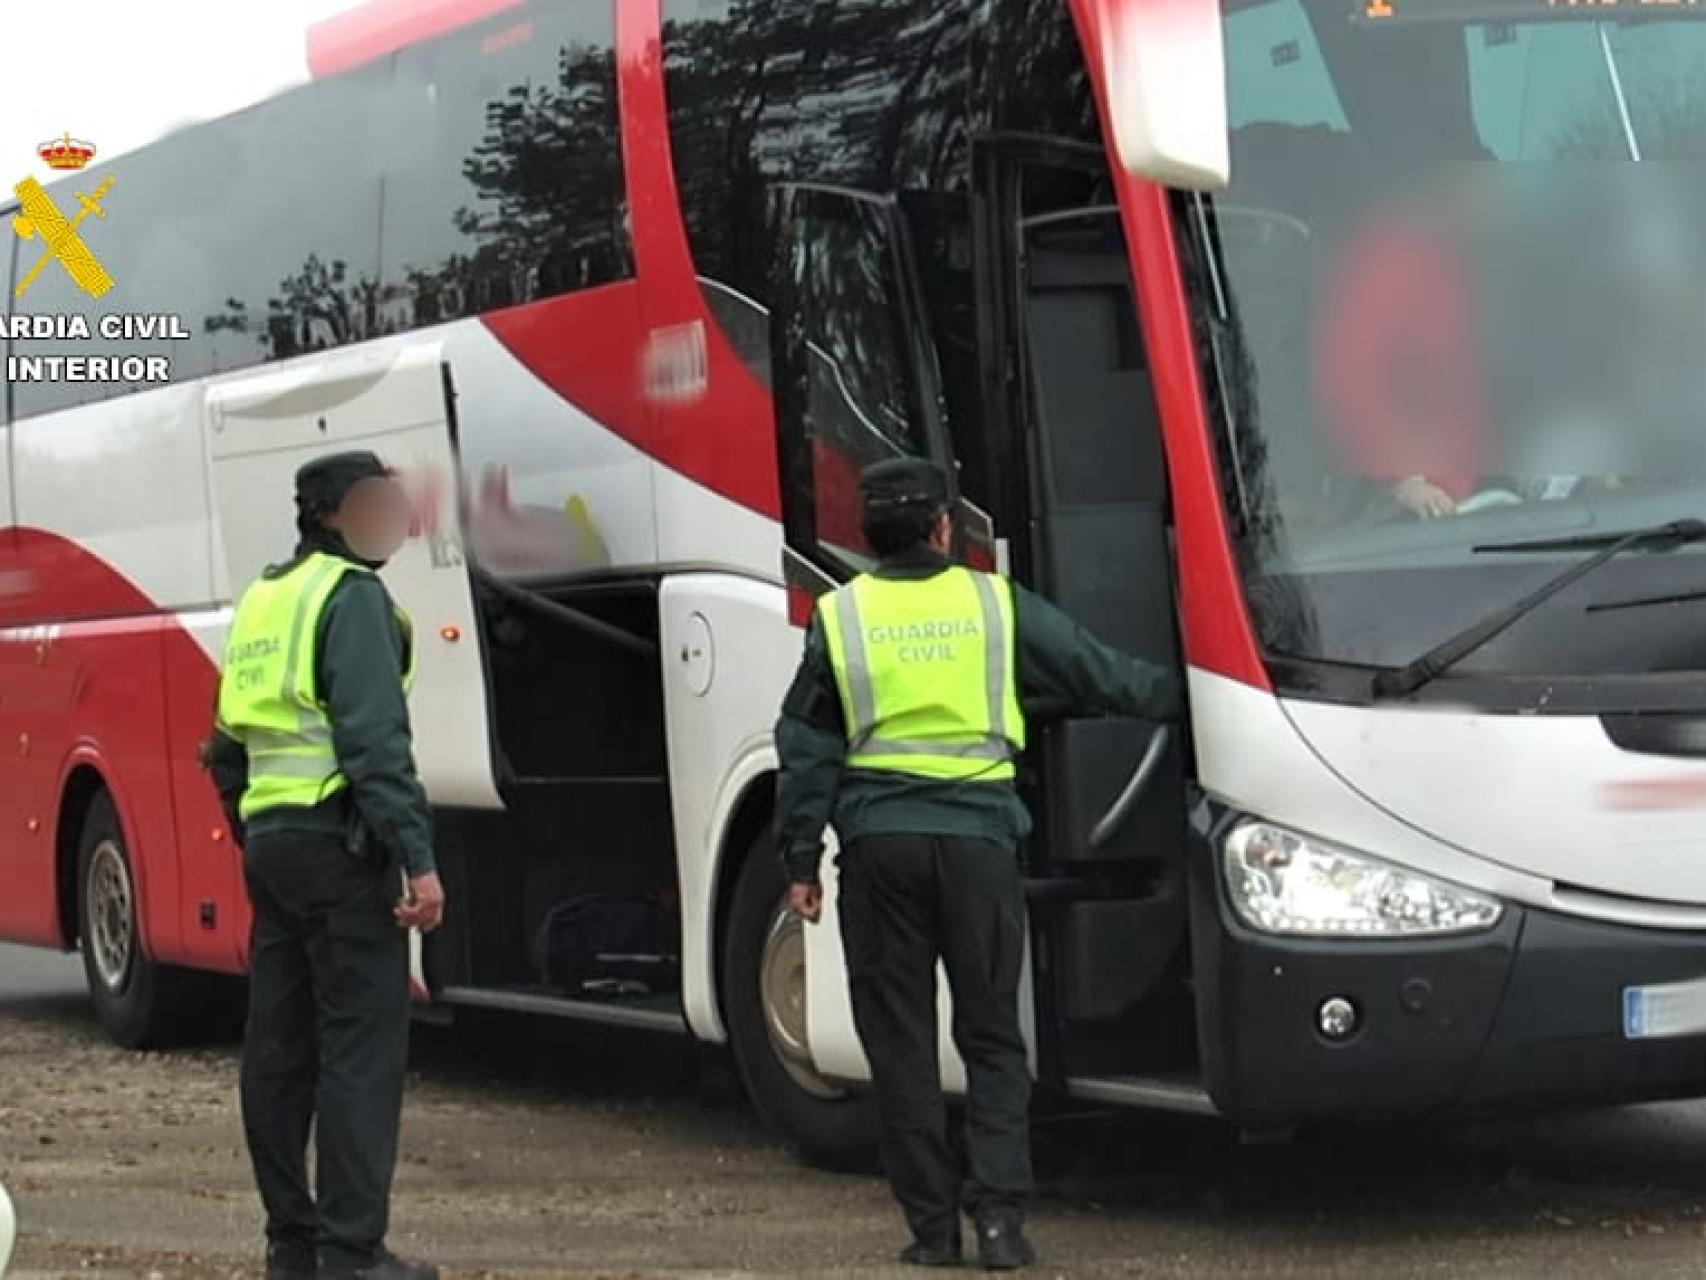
<point x="763" y="973"/>
<point x="136" y="1001"/>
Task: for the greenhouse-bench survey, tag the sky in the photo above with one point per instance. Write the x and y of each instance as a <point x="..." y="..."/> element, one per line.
<point x="120" y="73"/>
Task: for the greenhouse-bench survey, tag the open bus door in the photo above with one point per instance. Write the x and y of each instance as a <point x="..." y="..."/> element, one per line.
<point x="1067" y="398"/>
<point x="856" y="382"/>
<point x="855" y="375"/>
<point x="401" y="405"/>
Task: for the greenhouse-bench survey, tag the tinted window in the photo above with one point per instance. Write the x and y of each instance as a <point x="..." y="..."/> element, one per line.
<point x="504" y="178"/>
<point x="297" y="261"/>
<point x="716" y="106"/>
<point x="876" y="95"/>
<point x="849" y="394"/>
<point x="258" y="231"/>
<point x="473" y="172"/>
<point x="860" y="382"/>
<point x="869" y="94"/>
<point x="1033" y="78"/>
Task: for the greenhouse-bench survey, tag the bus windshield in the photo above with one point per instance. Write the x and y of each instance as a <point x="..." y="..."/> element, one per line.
<point x="1455" y="296"/>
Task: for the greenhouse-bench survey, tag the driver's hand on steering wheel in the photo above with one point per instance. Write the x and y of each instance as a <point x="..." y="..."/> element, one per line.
<point x="1421" y="496"/>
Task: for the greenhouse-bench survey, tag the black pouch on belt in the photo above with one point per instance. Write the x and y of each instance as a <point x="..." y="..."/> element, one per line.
<point x="358" y="840"/>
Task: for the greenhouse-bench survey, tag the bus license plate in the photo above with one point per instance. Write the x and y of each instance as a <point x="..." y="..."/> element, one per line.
<point x="1665" y="1010"/>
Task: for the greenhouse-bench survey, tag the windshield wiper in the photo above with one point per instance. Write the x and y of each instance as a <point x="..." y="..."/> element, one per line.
<point x="1641" y="602"/>
<point x="1404" y="680"/>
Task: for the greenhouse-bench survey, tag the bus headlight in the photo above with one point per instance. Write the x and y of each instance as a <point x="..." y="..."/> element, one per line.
<point x="1283" y="882"/>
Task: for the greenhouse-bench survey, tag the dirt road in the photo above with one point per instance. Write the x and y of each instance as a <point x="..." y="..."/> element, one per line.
<point x="539" y="1151"/>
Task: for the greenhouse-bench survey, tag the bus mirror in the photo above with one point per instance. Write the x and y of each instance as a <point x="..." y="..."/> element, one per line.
<point x="1165" y="68"/>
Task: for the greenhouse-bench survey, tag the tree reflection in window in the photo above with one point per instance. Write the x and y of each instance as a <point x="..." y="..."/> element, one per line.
<point x="501" y="184"/>
<point x="859" y="377"/>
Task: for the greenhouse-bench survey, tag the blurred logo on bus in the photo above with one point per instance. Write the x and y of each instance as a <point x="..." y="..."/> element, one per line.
<point x="1657" y="793"/>
<point x="560" y="536"/>
<point x="676" y="364"/>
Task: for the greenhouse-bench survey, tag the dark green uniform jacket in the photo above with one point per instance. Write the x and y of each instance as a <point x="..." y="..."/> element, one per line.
<point x="1057" y="659"/>
<point x="358" y="673"/>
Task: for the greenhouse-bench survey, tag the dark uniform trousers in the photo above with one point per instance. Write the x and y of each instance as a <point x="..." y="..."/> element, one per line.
<point x="906" y="900"/>
<point x="327" y="1038"/>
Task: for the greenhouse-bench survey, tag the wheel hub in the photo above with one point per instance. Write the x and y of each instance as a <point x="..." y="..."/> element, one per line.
<point x="112" y="918"/>
<point x="782" y="990"/>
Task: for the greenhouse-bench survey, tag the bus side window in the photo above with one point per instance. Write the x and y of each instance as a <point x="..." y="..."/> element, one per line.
<point x="855" y="377"/>
<point x="503" y="179"/>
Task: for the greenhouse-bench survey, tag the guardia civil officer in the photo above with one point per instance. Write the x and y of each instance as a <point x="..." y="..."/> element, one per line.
<point x="900" y="729"/>
<point x="314" y="762"/>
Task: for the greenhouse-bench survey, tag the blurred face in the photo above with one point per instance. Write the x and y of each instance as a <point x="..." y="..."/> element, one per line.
<point x="942" y="535"/>
<point x="373" y="518"/>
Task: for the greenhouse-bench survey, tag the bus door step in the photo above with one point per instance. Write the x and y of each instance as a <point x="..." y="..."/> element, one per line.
<point x="1180" y="1093"/>
<point x="646" y="1013"/>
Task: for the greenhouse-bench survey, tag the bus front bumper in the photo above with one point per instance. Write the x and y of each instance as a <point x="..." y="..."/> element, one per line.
<point x="1528" y="1013"/>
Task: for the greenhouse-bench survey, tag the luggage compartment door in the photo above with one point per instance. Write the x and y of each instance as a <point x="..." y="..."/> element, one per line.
<point x="400" y="404"/>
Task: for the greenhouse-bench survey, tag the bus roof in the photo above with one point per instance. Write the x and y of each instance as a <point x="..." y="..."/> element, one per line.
<point x="372" y="30"/>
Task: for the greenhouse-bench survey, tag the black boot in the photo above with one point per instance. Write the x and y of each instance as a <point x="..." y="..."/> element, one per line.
<point x="1001" y="1243"/>
<point x="285" y="1262"/>
<point x="388" y="1267"/>
<point x="928" y="1253"/>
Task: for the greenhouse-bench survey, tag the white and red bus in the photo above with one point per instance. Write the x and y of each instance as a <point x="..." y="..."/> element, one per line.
<point x="1205" y="305"/>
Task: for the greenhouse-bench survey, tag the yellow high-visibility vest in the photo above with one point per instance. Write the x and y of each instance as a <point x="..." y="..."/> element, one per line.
<point x="926" y="669"/>
<point x="267" y="697"/>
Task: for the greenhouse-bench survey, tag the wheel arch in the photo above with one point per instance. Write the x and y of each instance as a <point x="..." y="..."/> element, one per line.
<point x="157" y="1004"/>
<point x="752" y="813"/>
<point x="87" y="774"/>
<point x="84" y="780"/>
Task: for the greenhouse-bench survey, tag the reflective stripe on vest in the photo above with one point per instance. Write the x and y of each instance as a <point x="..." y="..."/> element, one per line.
<point x="925" y="670"/>
<point x="267" y="692"/>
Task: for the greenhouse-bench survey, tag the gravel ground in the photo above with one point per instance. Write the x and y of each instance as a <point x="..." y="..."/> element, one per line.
<point x="535" y="1150"/>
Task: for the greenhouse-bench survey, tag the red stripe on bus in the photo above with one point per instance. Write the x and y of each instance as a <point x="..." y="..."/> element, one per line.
<point x="104" y="678"/>
<point x="801" y="604"/>
<point x="1213" y="615"/>
<point x="45" y="577"/>
<point x="726" y="437"/>
<point x="591" y="347"/>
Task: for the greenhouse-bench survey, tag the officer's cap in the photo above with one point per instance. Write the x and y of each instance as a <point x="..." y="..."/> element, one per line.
<point x="903" y="482"/>
<point x="322" y="483"/>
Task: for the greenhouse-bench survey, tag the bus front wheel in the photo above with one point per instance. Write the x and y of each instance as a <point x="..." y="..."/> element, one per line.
<point x="136" y="1001"/>
<point x="764" y="1004"/>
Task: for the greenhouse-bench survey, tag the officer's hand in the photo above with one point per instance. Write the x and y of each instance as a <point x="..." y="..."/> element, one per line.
<point x="423" y="909"/>
<point x="805" y="898"/>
